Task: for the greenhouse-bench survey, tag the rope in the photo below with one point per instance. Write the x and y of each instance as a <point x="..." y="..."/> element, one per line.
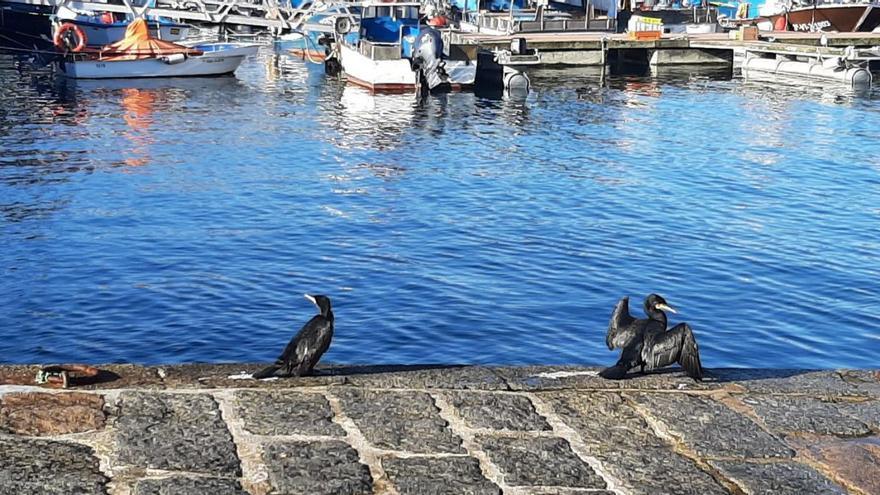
<point x="307" y="52"/>
<point x="28" y="50"/>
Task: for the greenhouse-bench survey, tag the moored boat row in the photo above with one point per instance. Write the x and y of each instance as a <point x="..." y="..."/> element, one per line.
<point x="391" y="45"/>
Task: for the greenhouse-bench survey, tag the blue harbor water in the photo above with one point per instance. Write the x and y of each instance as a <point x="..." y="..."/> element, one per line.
<point x="179" y="221"/>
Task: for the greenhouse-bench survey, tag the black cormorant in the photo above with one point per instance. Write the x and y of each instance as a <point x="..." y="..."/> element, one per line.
<point x="647" y="344"/>
<point x="307" y="347"/>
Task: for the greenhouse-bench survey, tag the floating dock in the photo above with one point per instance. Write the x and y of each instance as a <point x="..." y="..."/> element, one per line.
<point x="596" y="49"/>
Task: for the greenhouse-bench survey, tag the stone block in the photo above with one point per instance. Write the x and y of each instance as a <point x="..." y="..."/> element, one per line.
<point x="711" y="429"/>
<point x="438" y="476"/>
<point x="854" y="460"/>
<point x="188" y="485"/>
<point x="603" y="418"/>
<point x="498" y="411"/>
<point x="867" y="382"/>
<point x="867" y="411"/>
<point x="777" y="478"/>
<point x="657" y="471"/>
<point x="620" y="438"/>
<point x="398" y="420"/>
<point x="538" y="378"/>
<point x="422" y="377"/>
<point x="48" y="468"/>
<point x="770" y="381"/>
<point x="182" y="432"/>
<point x="44" y="414"/>
<point x="286" y="413"/>
<point x="540" y="461"/>
<point x="316" y="468"/>
<point x="235" y="376"/>
<point x="795" y="414"/>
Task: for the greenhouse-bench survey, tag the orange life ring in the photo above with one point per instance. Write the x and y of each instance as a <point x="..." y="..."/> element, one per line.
<point x="77" y="31"/>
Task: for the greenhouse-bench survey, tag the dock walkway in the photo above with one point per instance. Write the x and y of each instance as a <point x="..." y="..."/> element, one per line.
<point x="592" y="48"/>
<point x="440" y="430"/>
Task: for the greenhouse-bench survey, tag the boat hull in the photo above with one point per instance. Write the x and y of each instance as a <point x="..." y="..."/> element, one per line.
<point x="830" y="17"/>
<point x="305" y="46"/>
<point x="398" y="75"/>
<point x="211" y="63"/>
<point x="377" y="75"/>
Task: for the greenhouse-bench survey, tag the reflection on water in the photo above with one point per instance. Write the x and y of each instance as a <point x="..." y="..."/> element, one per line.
<point x="374" y="120"/>
<point x="178" y="220"/>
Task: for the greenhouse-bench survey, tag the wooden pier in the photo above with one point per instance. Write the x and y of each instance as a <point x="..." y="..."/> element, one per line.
<point x="591" y="48"/>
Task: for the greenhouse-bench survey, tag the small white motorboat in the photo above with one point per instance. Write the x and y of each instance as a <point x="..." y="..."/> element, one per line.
<point x="214" y="59"/>
<point x="137" y="56"/>
<point x="392" y="52"/>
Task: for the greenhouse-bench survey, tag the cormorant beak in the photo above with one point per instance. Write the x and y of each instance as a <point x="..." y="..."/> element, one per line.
<point x="310" y="298"/>
<point x="665" y="308"/>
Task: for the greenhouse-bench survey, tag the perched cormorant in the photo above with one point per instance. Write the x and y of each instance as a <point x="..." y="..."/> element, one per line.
<point x="307" y="347"/>
<point x="647" y="344"/>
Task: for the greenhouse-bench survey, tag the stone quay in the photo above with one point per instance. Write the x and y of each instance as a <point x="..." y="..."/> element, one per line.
<point x="210" y="429"/>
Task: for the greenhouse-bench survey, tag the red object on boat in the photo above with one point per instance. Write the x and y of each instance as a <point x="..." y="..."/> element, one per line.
<point x="437" y="21"/>
<point x="107" y="18"/>
<point x="81" y="39"/>
<point x="781" y="24"/>
<point x="137" y="45"/>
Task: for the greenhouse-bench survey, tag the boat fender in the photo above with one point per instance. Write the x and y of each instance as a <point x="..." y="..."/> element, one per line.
<point x="438" y="21"/>
<point x="174" y="58"/>
<point x="781" y="24"/>
<point x="342" y="26"/>
<point x="62" y="40"/>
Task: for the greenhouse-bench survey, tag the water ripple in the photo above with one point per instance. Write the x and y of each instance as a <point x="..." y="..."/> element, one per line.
<point x="181" y="220"/>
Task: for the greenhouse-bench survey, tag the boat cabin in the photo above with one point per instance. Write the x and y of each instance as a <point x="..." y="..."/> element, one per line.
<point x="388" y="30"/>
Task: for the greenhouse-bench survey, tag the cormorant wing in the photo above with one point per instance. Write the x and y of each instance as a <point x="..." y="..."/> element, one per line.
<point x="304" y="350"/>
<point x="677" y="345"/>
<point x="304" y="341"/>
<point x="620" y="329"/>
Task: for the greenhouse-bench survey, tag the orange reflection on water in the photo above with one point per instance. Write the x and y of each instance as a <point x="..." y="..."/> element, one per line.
<point x="138" y="105"/>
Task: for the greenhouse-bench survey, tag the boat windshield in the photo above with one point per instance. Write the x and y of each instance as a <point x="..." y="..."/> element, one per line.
<point x="389" y="23"/>
<point x="397" y="12"/>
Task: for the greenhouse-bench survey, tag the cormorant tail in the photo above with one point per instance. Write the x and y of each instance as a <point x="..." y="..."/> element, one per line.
<point x="616" y="372"/>
<point x="266" y="372"/>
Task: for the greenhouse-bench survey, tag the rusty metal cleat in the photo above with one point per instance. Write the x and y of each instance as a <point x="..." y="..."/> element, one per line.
<point x="63" y="375"/>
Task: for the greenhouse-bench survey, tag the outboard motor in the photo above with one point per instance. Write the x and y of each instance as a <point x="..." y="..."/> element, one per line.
<point x="428" y="57"/>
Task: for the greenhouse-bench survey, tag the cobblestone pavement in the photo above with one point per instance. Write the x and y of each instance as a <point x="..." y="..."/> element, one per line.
<point x="207" y="429"/>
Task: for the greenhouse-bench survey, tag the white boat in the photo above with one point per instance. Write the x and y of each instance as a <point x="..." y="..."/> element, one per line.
<point x="215" y="59"/>
<point x="392" y="52"/>
<point x="371" y="71"/>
